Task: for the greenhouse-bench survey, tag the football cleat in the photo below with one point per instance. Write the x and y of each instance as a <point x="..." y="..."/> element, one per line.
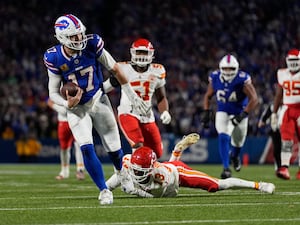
<point x="80" y="175"/>
<point x="187" y="141"/>
<point x="62" y="176"/>
<point x="298" y="175"/>
<point x="266" y="187"/>
<point x="226" y="173"/>
<point x="106" y="197"/>
<point x="236" y="162"/>
<point x="283" y="172"/>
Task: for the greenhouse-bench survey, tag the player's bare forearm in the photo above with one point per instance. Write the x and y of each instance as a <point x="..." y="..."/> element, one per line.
<point x="163" y="105"/>
<point x="249" y="90"/>
<point x="207" y="97"/>
<point x="162" y="101"/>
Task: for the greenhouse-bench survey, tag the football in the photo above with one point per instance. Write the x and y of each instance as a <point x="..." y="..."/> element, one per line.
<point x="71" y="87"/>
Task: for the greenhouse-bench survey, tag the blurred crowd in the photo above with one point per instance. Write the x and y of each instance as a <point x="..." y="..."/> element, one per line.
<point x="189" y="38"/>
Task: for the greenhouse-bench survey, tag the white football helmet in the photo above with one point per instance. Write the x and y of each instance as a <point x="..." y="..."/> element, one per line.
<point x="142" y="161"/>
<point x="229" y="67"/>
<point x="67" y="26"/>
<point x="142" y="52"/>
<point x="293" y="60"/>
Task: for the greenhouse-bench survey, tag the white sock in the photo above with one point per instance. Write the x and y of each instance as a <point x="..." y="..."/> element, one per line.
<point x="236" y="182"/>
<point x="175" y="156"/>
<point x="78" y="157"/>
<point x="65" y="157"/>
<point x="285" y="158"/>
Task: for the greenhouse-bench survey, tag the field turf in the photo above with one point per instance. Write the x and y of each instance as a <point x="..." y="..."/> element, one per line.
<point x="29" y="194"/>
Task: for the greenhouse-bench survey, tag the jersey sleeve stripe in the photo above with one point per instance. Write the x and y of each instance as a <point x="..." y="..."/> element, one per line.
<point x="100" y="45"/>
<point x="50" y="66"/>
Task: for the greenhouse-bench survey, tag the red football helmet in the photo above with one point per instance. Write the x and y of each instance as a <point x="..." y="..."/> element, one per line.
<point x="142" y="52"/>
<point x="293" y="60"/>
<point x="142" y="161"/>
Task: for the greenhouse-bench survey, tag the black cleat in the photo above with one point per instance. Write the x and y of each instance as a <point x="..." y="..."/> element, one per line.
<point x="226" y="173"/>
<point x="236" y="162"/>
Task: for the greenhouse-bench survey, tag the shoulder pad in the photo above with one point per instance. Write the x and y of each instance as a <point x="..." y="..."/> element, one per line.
<point x="50" y="59"/>
<point x="158" y="70"/>
<point x="243" y="74"/>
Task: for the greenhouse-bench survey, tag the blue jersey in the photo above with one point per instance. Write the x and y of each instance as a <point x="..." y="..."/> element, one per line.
<point x="82" y="69"/>
<point x="230" y="96"/>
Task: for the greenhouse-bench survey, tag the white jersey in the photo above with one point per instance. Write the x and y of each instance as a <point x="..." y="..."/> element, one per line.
<point x="291" y="86"/>
<point x="164" y="181"/>
<point x="144" y="84"/>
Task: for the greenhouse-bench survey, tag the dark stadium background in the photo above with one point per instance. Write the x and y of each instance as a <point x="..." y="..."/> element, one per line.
<point x="189" y="36"/>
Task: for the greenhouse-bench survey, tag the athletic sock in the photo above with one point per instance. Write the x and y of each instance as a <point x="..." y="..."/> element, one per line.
<point x="116" y="158"/>
<point x="93" y="165"/>
<point x="224" y="141"/>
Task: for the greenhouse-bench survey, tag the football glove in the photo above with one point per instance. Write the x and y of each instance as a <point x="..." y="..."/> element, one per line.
<point x="206" y="118"/>
<point x="274" y="122"/>
<point x="165" y="117"/>
<point x="238" y="118"/>
<point x="137" y="103"/>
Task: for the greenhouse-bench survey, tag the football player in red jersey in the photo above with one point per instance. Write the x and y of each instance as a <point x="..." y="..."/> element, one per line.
<point x="288" y="94"/>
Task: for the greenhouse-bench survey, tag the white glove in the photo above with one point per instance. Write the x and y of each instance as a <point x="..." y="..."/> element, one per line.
<point x="126" y="181"/>
<point x="141" y="193"/>
<point x="165" y="117"/>
<point x="274" y="122"/>
<point x="137" y="103"/>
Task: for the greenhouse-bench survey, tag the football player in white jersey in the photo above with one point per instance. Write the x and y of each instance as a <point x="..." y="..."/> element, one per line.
<point x="236" y="98"/>
<point x="66" y="140"/>
<point x="288" y="94"/>
<point x="146" y="79"/>
<point x="79" y="58"/>
<point x="151" y="178"/>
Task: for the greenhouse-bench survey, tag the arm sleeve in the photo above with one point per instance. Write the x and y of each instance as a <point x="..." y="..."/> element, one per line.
<point x="54" y="89"/>
<point x="60" y="109"/>
<point x="107" y="60"/>
<point x="266" y="114"/>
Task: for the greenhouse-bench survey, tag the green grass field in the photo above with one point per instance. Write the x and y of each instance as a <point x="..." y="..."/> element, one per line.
<point x="29" y="194"/>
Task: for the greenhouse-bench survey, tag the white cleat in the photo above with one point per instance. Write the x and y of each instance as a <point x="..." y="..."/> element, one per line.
<point x="62" y="176"/>
<point x="106" y="197"/>
<point x="266" y="187"/>
<point x="187" y="141"/>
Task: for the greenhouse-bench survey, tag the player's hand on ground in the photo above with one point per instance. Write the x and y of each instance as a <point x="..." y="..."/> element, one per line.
<point x="73" y="101"/>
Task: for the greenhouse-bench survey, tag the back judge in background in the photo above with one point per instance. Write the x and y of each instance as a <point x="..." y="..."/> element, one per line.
<point x="274" y="133"/>
<point x="236" y="98"/>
